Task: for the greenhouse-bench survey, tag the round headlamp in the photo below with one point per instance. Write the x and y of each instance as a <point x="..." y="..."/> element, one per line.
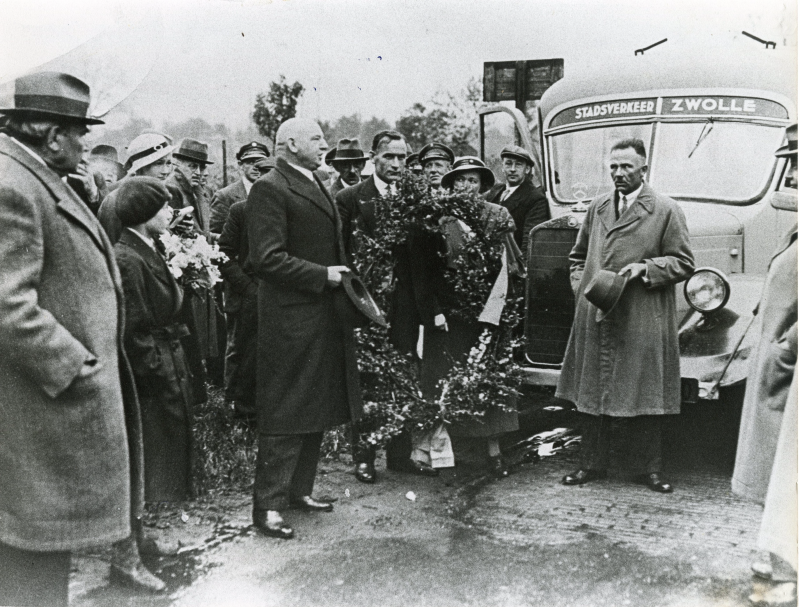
<point x="707" y="290"/>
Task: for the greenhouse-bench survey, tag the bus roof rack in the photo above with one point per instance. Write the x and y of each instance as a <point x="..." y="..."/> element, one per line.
<point x="640" y="51"/>
<point x="766" y="43"/>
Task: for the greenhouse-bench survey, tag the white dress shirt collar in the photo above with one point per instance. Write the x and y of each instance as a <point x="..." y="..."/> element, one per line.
<point x="631" y="198"/>
<point x="382" y="186"/>
<point x="247" y="184"/>
<point x="148" y="241"/>
<point x="303" y="170"/>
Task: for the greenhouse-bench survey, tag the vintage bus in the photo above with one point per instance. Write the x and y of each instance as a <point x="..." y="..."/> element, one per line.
<point x="711" y="126"/>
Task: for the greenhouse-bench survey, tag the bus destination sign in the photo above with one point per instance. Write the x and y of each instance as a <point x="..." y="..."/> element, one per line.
<point x="670" y="106"/>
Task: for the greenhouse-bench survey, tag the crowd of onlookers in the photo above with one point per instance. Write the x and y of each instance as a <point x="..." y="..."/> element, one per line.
<point x="106" y="352"/>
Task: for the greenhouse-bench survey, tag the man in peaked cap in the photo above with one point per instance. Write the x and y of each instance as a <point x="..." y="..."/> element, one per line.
<point x="348" y="160"/>
<point x="241" y="312"/>
<point x="526" y="203"/>
<point x="248" y="158"/>
<point x="436" y="160"/>
<point x="66" y="462"/>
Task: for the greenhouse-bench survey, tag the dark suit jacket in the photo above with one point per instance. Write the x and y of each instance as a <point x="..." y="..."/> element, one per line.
<point x="221" y="203"/>
<point x="184" y="195"/>
<point x="307" y="371"/>
<point x="528" y="207"/>
<point x="357" y="210"/>
<point x="337" y="186"/>
<point x="237" y="271"/>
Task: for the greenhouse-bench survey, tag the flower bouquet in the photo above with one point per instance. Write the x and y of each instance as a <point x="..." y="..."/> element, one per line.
<point x="193" y="261"/>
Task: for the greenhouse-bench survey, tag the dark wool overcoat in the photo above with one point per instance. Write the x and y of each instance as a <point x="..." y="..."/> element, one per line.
<point x="222" y="202"/>
<point x="770" y="374"/>
<point x="152" y="342"/>
<point x="629" y="363"/>
<point x="308" y="376"/>
<point x="357" y="210"/>
<point x="65" y="458"/>
<point x="528" y="207"/>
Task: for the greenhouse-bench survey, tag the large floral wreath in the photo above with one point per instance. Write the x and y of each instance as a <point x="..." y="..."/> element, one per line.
<point x="490" y="377"/>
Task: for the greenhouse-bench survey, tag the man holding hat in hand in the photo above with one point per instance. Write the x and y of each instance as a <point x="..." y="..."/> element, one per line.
<point x="247" y="158"/>
<point x="526" y="203"/>
<point x="348" y="160"/>
<point x="65" y="464"/>
<point x="623" y="364"/>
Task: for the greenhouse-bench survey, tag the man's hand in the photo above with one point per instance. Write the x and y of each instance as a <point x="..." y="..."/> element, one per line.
<point x="182" y="222"/>
<point x="636" y="270"/>
<point x="335" y="275"/>
<point x="83" y="175"/>
<point x="440" y="322"/>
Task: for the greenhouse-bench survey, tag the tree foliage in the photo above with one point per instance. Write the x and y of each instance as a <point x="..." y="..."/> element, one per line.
<point x="353" y="126"/>
<point x="276" y="106"/>
<point x="446" y="118"/>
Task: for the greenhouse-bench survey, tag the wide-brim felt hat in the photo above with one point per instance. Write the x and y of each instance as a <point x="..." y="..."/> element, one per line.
<point x="146" y="149"/>
<point x="347" y="150"/>
<point x="52" y="94"/>
<point x="790" y="149"/>
<point x="355" y="304"/>
<point x="517" y="152"/>
<point x="436" y="151"/>
<point x="191" y="149"/>
<point x="605" y="290"/>
<point x="469" y="163"/>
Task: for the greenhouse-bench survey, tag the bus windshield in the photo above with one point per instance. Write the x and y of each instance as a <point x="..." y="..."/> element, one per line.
<point x="729" y="162"/>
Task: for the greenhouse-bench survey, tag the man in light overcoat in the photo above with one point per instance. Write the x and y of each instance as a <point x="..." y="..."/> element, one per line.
<point x="623" y="369"/>
<point x="65" y="464"/>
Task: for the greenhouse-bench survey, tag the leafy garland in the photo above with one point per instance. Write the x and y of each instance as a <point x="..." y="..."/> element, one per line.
<point x="489" y="378"/>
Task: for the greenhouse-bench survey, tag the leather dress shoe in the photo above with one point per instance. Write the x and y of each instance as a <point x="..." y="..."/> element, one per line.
<point x="365" y="472"/>
<point x="309" y="504"/>
<point x="498" y="466"/>
<point x="152" y="547"/>
<point x="270" y="522"/>
<point x="581" y="477"/>
<point x="136" y="576"/>
<point x="654" y="482"/>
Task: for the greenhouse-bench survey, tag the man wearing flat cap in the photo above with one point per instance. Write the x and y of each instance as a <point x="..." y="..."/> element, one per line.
<point x="622" y="364"/>
<point x="65" y="465"/>
<point x="526" y="202"/>
<point x="436" y="160"/>
<point x="247" y="158"/>
<point x="348" y="160"/>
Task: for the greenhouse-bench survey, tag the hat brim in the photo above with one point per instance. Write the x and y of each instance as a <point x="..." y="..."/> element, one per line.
<point x="595" y="292"/>
<point x="361" y="158"/>
<point x="528" y="161"/>
<point x="191" y="158"/>
<point x="361" y="298"/>
<point x="487" y="177"/>
<point x="79" y="119"/>
<point x="785" y="151"/>
<point x="140" y="163"/>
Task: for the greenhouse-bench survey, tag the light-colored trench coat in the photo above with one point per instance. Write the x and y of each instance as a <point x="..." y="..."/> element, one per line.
<point x="770" y="373"/>
<point x="629" y="363"/>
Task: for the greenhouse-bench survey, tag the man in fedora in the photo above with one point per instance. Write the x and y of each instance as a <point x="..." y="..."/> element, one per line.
<point x="307" y="378"/>
<point x="348" y="160"/>
<point x="436" y="160"/>
<point x="526" y="202"/>
<point x="248" y="157"/>
<point x="105" y="159"/>
<point x="622" y="367"/>
<point x="66" y="462"/>
<point x="186" y="186"/>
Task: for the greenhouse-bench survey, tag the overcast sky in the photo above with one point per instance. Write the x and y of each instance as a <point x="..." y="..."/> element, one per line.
<point x="209" y="58"/>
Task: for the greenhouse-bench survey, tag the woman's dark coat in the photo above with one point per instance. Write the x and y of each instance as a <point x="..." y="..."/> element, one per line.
<point x="307" y="371"/>
<point x="152" y="341"/>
